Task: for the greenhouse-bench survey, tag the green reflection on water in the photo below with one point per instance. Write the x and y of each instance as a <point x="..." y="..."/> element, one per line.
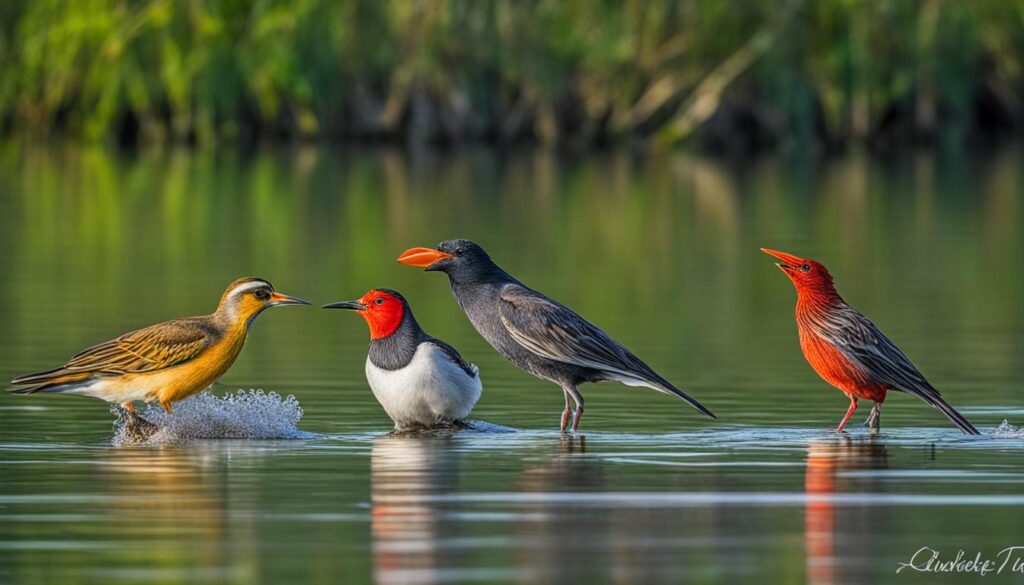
<point x="661" y="252"/>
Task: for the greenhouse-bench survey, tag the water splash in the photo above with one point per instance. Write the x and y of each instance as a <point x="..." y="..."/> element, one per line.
<point x="247" y="414"/>
<point x="1008" y="431"/>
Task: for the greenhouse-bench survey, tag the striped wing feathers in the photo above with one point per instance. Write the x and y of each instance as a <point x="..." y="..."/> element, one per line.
<point x="865" y="344"/>
<point x="145" y="350"/>
<point x="553" y="331"/>
<point x="868" y="348"/>
<point x="153" y="348"/>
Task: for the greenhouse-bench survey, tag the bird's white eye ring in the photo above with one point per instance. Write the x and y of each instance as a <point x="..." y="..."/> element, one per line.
<point x="379" y="300"/>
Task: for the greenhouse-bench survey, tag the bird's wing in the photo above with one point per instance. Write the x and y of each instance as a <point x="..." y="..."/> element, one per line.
<point x="864" y="343"/>
<point x="145" y="350"/>
<point x="454" y="356"/>
<point x="553" y="331"/>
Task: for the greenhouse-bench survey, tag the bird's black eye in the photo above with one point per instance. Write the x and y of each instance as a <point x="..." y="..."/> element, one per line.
<point x="805" y="267"/>
<point x="460" y="252"/>
<point x="262" y="294"/>
<point x="379" y="300"/>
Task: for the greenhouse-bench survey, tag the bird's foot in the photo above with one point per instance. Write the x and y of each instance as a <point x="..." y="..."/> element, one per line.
<point x="135" y="427"/>
<point x="167" y="406"/>
<point x="875" y="423"/>
<point x="128" y="406"/>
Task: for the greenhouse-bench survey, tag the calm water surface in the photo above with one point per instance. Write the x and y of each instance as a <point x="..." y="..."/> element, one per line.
<point x="662" y="253"/>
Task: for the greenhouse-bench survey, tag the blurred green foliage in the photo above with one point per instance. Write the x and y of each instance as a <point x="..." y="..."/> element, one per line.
<point x="573" y="71"/>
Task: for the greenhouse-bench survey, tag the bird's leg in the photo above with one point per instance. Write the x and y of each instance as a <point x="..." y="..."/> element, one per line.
<point x="874" y="422"/>
<point x="578" y="415"/>
<point x="566" y="412"/>
<point x="167" y="406"/>
<point x="849" y="413"/>
<point x="128" y="406"/>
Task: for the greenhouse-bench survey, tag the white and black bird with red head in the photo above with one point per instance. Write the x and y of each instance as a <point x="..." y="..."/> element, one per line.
<point x="421" y="381"/>
<point x="538" y="334"/>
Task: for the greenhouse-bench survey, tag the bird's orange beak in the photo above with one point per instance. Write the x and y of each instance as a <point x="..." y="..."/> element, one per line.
<point x="277" y="298"/>
<point x="422" y="257"/>
<point x="785" y="260"/>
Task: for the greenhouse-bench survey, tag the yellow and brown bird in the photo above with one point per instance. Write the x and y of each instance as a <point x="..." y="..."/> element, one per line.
<point x="166" y="362"/>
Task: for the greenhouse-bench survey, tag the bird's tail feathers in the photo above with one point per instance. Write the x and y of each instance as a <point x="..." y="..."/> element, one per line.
<point x="954" y="417"/>
<point x="665" y="387"/>
<point x="55" y="380"/>
<point x="931" y="396"/>
<point x="37" y="388"/>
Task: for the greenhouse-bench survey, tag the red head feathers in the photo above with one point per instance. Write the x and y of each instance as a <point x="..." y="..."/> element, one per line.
<point x="383" y="312"/>
<point x="810" y="278"/>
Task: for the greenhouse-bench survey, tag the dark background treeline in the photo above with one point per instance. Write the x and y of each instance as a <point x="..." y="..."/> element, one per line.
<point x="728" y="75"/>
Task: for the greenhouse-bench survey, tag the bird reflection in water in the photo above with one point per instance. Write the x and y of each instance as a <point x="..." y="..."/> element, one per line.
<point x="406" y="475"/>
<point x="834" y="532"/>
<point x="561" y="536"/>
<point x="175" y="497"/>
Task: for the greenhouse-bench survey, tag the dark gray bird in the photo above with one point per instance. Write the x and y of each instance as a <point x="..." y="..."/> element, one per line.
<point x="541" y="336"/>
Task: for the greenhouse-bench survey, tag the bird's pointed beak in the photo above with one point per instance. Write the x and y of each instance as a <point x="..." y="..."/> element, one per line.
<point x="422" y="257"/>
<point x="785" y="260"/>
<point x="277" y="299"/>
<point x="350" y="305"/>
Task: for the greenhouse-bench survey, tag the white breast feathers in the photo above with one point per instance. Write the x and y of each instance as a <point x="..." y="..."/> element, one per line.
<point x="431" y="390"/>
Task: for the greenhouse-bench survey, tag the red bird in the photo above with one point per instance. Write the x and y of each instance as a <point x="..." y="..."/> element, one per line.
<point x="848" y="351"/>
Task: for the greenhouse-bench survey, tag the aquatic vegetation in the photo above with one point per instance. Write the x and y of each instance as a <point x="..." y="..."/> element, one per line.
<point x="573" y="72"/>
